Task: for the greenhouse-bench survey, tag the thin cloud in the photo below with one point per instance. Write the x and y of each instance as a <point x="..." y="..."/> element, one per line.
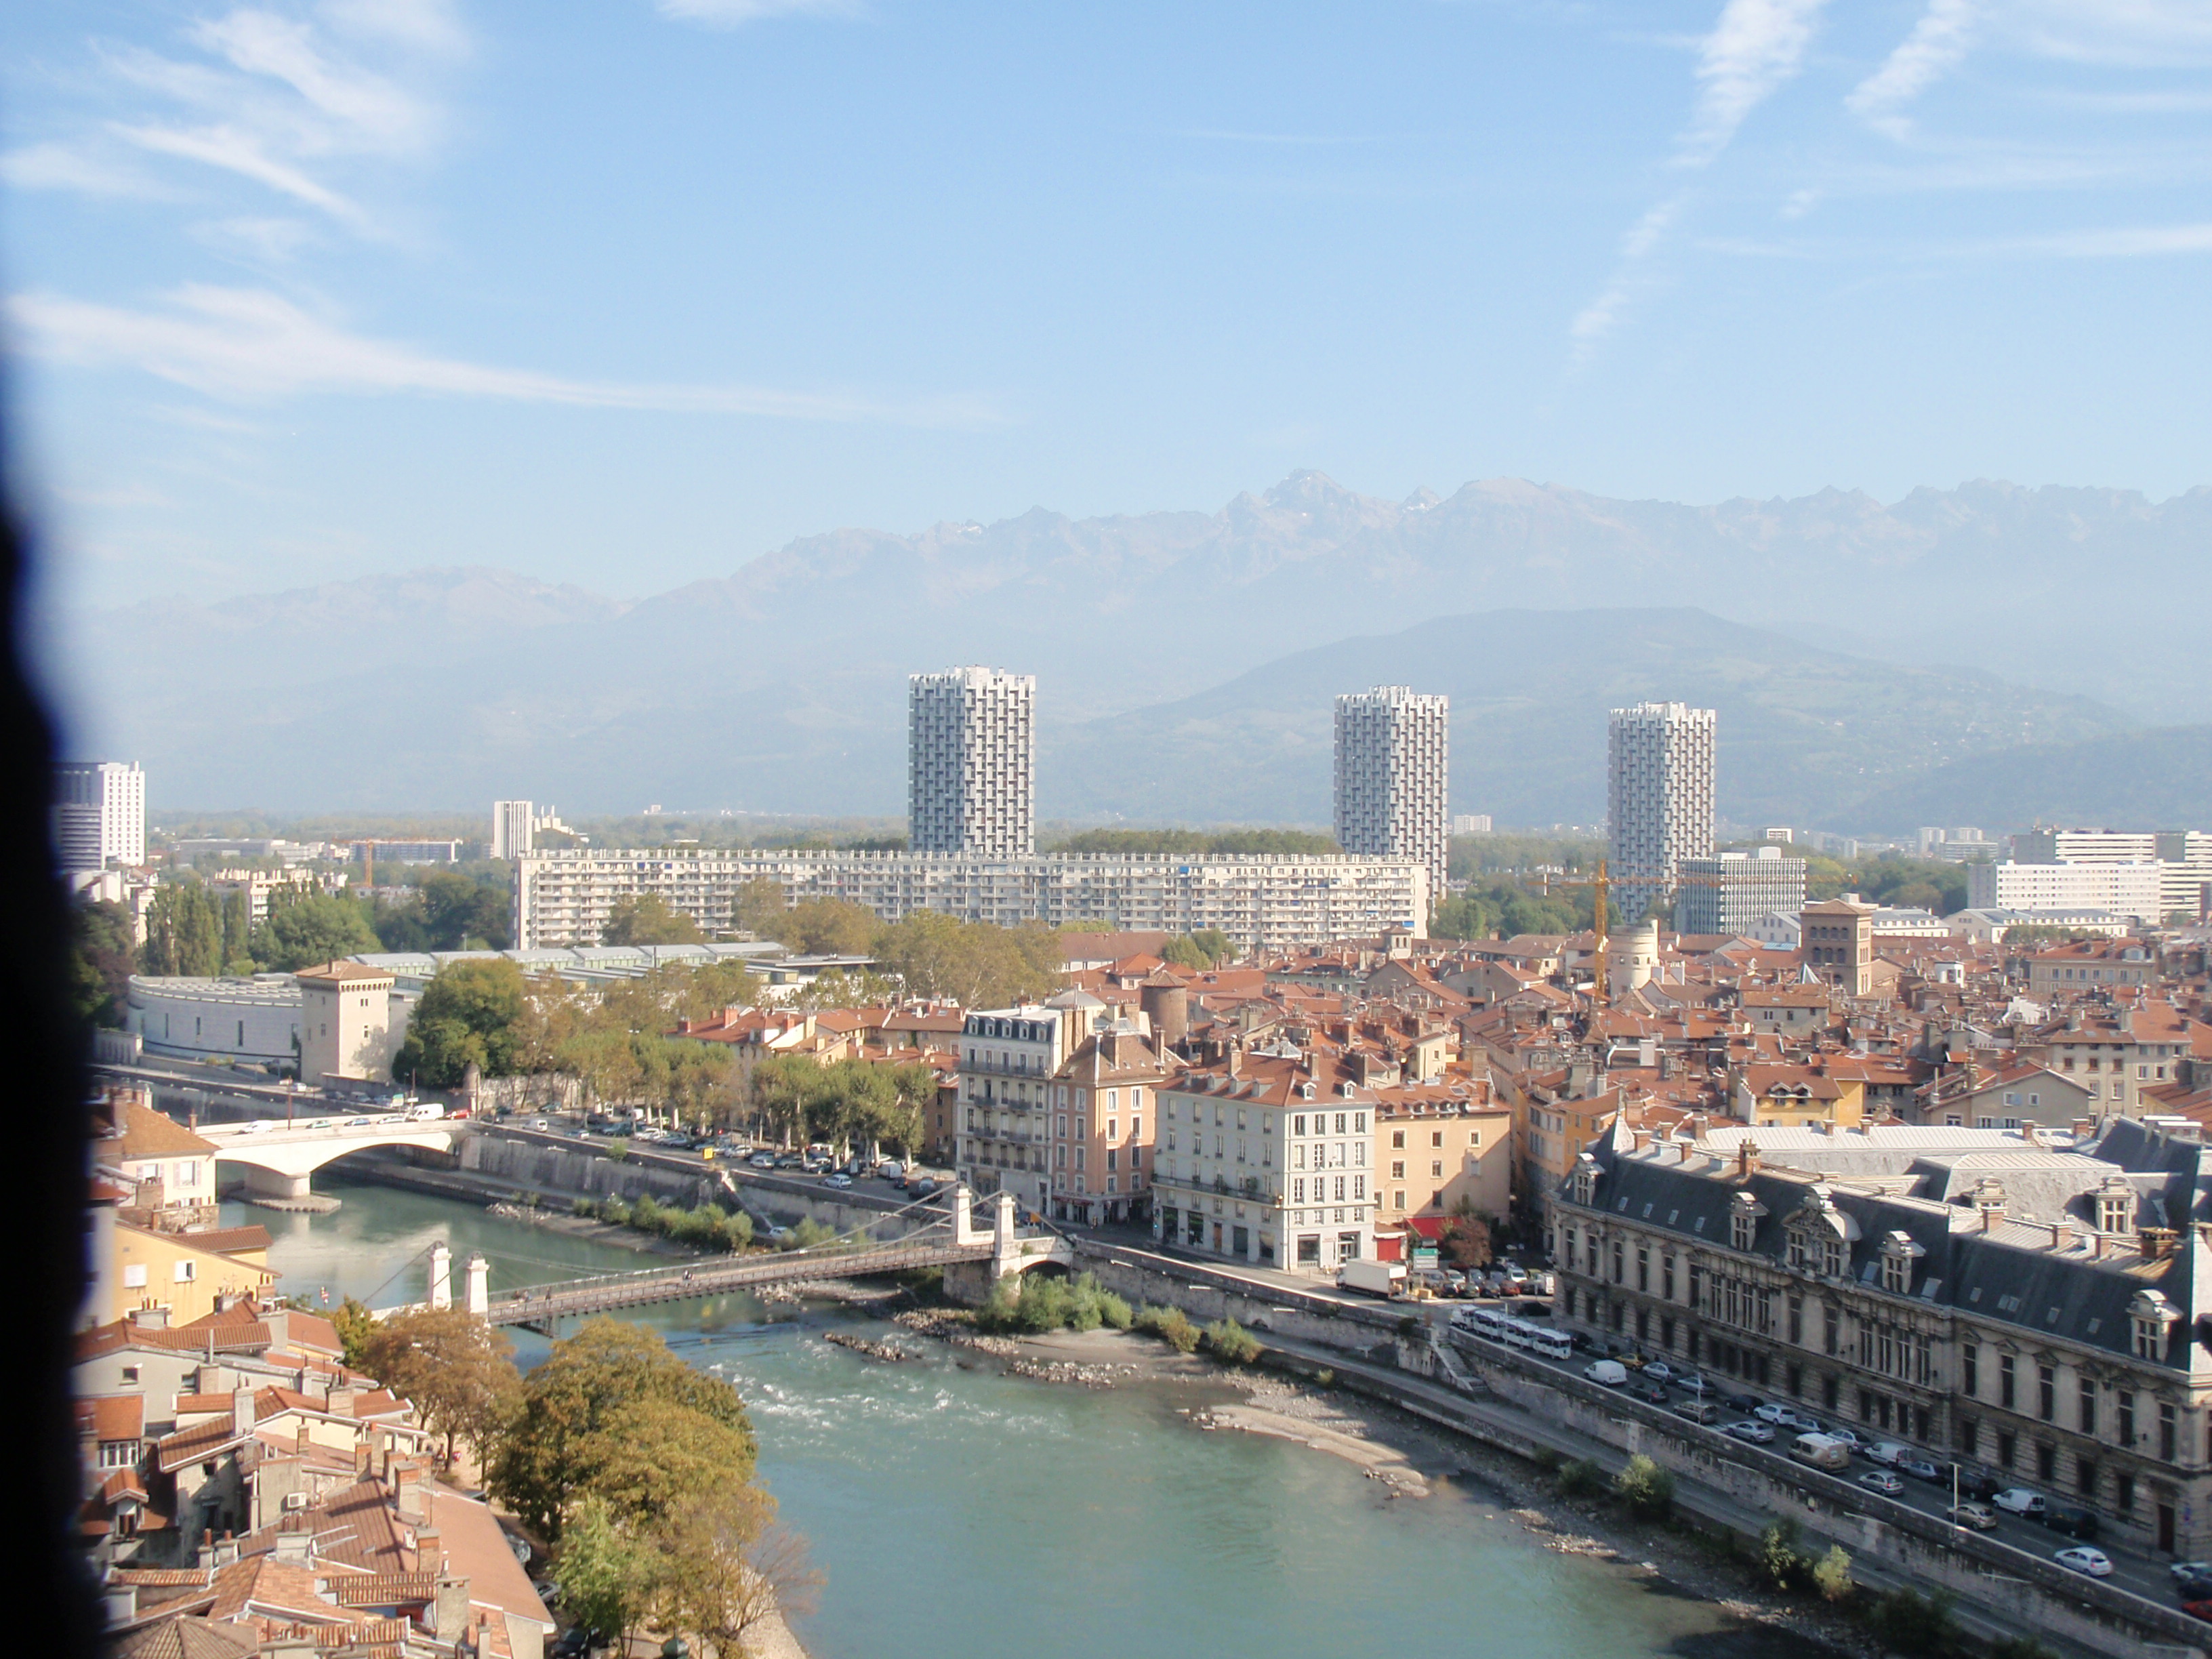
<point x="1939" y="41"/>
<point x="2149" y="241"/>
<point x="66" y="167"/>
<point x="1597" y="319"/>
<point x="243" y="154"/>
<point x="252" y="345"/>
<point x="730" y="13"/>
<point x="1756" y="46"/>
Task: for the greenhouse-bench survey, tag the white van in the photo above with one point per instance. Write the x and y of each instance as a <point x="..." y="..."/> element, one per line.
<point x="1822" y="1451"/>
<point x="425" y="1109"/>
<point x="1606" y="1373"/>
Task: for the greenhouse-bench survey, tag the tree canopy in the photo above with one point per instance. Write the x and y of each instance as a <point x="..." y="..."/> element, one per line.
<point x="184" y="931"/>
<point x="452" y="1365"/>
<point x="305" y="928"/>
<point x="827" y="927"/>
<point x="450" y="911"/>
<point x="851" y="1102"/>
<point x="975" y="964"/>
<point x="648" y="919"/>
<point x="469" y="1014"/>
<point x="602" y="1395"/>
<point x="103" y="951"/>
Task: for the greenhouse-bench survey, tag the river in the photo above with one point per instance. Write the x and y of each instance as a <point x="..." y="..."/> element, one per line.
<point x="956" y="1512"/>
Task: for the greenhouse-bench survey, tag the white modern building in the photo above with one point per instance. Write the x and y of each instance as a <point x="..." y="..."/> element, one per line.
<point x="1266" y="901"/>
<point x="1470" y="823"/>
<point x="1392" y="776"/>
<point x="1732" y="893"/>
<point x="1659" y="776"/>
<point x="2184" y="858"/>
<point x="2129" y="890"/>
<point x="100" y="815"/>
<point x="253" y="1020"/>
<point x="971" y="762"/>
<point x="516" y="826"/>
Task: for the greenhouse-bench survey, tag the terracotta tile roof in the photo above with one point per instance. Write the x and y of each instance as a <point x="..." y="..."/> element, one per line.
<point x="122" y="1483"/>
<point x="343" y="973"/>
<point x="113" y="1416"/>
<point x="229" y="1241"/>
<point x="385" y="1590"/>
<point x="182" y="1636"/>
<point x="147" y="1133"/>
<point x="476" y="1547"/>
<point x="284" y="1590"/>
<point x="195" y="1445"/>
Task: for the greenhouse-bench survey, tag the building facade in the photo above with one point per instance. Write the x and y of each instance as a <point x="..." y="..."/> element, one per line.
<point x="2184" y="858"/>
<point x="562" y="898"/>
<point x="1437" y="1152"/>
<point x="971" y="762"/>
<point x="2135" y="888"/>
<point x="1008" y="1058"/>
<point x="1660" y="758"/>
<point x="1836" y="943"/>
<point x="1265" y="1159"/>
<point x="1392" y="776"/>
<point x="1732" y="893"/>
<point x="100" y="815"/>
<point x="1891" y="1281"/>
<point x="1105" y="1111"/>
<point x="346" y="1022"/>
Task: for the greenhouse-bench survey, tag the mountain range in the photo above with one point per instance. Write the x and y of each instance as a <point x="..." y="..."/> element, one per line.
<point x="1186" y="660"/>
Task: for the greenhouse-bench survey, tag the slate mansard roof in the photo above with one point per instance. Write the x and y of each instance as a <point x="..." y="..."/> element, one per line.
<point x="2041" y="1268"/>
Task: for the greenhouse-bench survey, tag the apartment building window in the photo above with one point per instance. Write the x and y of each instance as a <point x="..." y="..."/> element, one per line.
<point x="1967" y="1435"/>
<point x="1797" y="1321"/>
<point x="1970" y="1368"/>
<point x="2085" y="1476"/>
<point x="1666" y="1277"/>
<point x="1435" y="1169"/>
<point x="2047" y="1461"/>
<point x="2005" y="1381"/>
<point x="1642" y="1270"/>
<point x="1397" y="1140"/>
<point x="1398" y="1169"/>
<point x="2126" y="1408"/>
<point x="2169" y="1424"/>
<point x="1831" y="1329"/>
<point x="1617" y="1257"/>
<point x="1743" y="1227"/>
<point x="2046" y="1393"/>
<point x="2088" y="1406"/>
<point x="2124" y="1494"/>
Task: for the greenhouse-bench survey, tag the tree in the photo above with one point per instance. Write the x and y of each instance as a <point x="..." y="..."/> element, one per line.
<point x="827" y="927"/>
<point x="726" y="1567"/>
<point x="303" y="929"/>
<point x="471" y="1013"/>
<point x="1465" y="1241"/>
<point x="460" y="913"/>
<point x="1834" y="1575"/>
<point x="652" y="1454"/>
<point x="184" y="931"/>
<point x="758" y="907"/>
<point x="1647" y="1490"/>
<point x="454" y="1368"/>
<point x="648" y="919"/>
<point x="103" y="949"/>
<point x="356" y="1324"/>
<point x="237" y="933"/>
<point x="606" y="1577"/>
<point x="587" y="1381"/>
<point x="975" y="964"/>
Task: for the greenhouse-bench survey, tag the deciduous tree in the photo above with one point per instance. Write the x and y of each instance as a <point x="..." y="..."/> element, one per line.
<point x="103" y="951"/>
<point x="305" y="928"/>
<point x="648" y="919"/>
<point x="471" y="1012"/>
<point x="453" y="1366"/>
<point x="725" y="1568"/>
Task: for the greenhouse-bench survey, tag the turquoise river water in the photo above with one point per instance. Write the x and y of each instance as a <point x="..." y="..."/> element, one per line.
<point x="956" y="1512"/>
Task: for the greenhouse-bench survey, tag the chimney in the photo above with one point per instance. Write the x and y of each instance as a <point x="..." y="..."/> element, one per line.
<point x="2155" y="1243"/>
<point x="242" y="1411"/>
<point x="151" y="1318"/>
<point x="339" y="1401"/>
<point x="1638" y="1140"/>
<point x="294" y="1544"/>
<point x="406" y="1479"/>
<point x="453" y="1609"/>
<point x="1647" y="1053"/>
<point x="2062" y="1234"/>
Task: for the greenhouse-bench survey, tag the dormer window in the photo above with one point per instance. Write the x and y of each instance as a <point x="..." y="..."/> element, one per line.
<point x="2152" y="1315"/>
<point x="2116" y="1206"/>
<point x="1744" y="1211"/>
<point x="1585" y="1180"/>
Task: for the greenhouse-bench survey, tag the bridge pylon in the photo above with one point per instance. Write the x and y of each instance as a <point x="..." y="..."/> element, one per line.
<point x="441" y="1274"/>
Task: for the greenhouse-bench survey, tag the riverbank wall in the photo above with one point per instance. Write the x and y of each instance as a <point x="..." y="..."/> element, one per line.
<point x="1506" y="1401"/>
<point x="494" y="1163"/>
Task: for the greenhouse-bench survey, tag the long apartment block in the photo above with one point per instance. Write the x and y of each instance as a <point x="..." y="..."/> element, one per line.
<point x="562" y="898"/>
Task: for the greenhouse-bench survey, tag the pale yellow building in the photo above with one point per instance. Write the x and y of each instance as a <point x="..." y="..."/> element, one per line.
<point x="345" y="1023"/>
<point x="1436" y="1153"/>
<point x="184" y="1273"/>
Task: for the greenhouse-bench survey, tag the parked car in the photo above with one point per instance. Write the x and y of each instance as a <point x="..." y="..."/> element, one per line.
<point x="1691" y="1382"/>
<point x="1698" y="1411"/>
<point x="2199" y="1608"/>
<point x="1759" y="1434"/>
<point x="837" y="1178"/>
<point x="2082" y="1558"/>
<point x="1779" y="1415"/>
<point x="2194" y="1590"/>
<point x="1979" y="1484"/>
<point x="361" y="1123"/>
<point x="2019" y="1500"/>
<point x="1652" y="1394"/>
<point x="1813" y="1425"/>
<point x="1847" y="1437"/>
<point x="1977" y="1517"/>
<point x="1606" y="1373"/>
<point x="762" y="1160"/>
<point x="1657" y="1371"/>
<point x="1921" y="1469"/>
<point x="1883" y="1481"/>
<point x="1740" y="1402"/>
<point x="2183" y="1572"/>
<point x="891" y="1169"/>
<point x="1888" y="1453"/>
<point x="2073" y="1523"/>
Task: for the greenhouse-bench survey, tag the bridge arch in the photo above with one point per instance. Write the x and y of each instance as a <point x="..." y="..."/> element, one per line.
<point x="280" y="1159"/>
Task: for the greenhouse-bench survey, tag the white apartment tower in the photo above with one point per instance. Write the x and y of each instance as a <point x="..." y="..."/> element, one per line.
<point x="971" y="762"/>
<point x="1392" y="776"/>
<point x="514" y="827"/>
<point x="1659" y="796"/>
<point x="100" y="815"/>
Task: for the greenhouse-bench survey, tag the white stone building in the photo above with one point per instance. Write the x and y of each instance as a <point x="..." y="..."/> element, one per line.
<point x="1265" y="900"/>
<point x="99" y="814"/>
<point x="1730" y="894"/>
<point x="1007" y="1059"/>
<point x="971" y="762"/>
<point x="1660" y="771"/>
<point x="1392" y="776"/>
<point x="2129" y="890"/>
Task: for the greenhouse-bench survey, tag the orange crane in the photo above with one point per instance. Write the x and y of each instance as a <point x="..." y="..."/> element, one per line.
<point x="1603" y="887"/>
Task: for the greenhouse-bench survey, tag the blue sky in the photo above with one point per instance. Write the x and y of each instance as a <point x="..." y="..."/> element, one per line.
<point x="624" y="294"/>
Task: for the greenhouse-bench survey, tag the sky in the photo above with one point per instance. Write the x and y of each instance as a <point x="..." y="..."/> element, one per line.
<point x="624" y="293"/>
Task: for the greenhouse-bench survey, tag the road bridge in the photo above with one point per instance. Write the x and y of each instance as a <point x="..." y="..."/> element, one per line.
<point x="280" y="1158"/>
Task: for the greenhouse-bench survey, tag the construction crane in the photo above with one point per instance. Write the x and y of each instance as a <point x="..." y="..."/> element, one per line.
<point x="1603" y="887"/>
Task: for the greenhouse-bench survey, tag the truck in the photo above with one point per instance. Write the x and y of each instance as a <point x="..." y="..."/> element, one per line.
<point x="1822" y="1451"/>
<point x="1372" y="1278"/>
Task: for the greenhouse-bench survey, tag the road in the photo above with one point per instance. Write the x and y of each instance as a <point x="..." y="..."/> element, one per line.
<point x="2134" y="1570"/>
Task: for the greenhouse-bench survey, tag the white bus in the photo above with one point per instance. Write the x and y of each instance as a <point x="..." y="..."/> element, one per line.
<point x="1547" y="1344"/>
